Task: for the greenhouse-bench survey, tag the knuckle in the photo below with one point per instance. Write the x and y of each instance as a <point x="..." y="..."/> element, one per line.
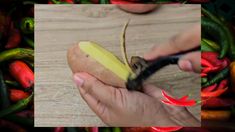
<point x="117" y="98"/>
<point x="173" y="40"/>
<point x="155" y="47"/>
<point x="90" y="84"/>
<point x="114" y="95"/>
<point x="101" y="109"/>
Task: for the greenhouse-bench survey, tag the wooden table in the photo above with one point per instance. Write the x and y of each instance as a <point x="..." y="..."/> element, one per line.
<point x="57" y="100"/>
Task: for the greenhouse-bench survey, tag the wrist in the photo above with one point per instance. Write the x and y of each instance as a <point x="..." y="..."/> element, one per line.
<point x="182" y="117"/>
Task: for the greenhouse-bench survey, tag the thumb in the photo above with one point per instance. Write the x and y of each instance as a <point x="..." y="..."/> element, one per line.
<point x="191" y="62"/>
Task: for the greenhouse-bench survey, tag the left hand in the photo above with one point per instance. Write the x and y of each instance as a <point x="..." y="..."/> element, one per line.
<point x="120" y="107"/>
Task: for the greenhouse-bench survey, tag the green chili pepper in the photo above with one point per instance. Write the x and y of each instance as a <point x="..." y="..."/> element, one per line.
<point x="29" y="42"/>
<point x="17" y="53"/>
<point x="206" y="47"/>
<point x="85" y="2"/>
<point x="217" y="78"/>
<point x="27" y="25"/>
<point x="211" y="16"/>
<point x="20" y="105"/>
<point x="105" y="129"/>
<point x="104" y="2"/>
<point x="55" y="1"/>
<point x="59" y="2"/>
<point x="204" y="80"/>
<point x="71" y="129"/>
<point x="116" y="129"/>
<point x="212" y="44"/>
<point x="4" y="94"/>
<point x="215" y="30"/>
<point x="20" y="120"/>
<point x="12" y="83"/>
<point x="228" y="33"/>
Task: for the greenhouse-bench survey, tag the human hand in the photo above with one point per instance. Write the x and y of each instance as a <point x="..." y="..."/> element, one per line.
<point x="120" y="107"/>
<point x="182" y="42"/>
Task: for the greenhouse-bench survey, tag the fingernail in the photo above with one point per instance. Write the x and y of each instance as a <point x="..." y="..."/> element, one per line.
<point x="185" y="65"/>
<point x="78" y="80"/>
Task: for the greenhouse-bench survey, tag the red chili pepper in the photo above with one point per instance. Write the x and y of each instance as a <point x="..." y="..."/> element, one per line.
<point x="177" y="102"/>
<point x="212" y="57"/>
<point x="136" y="129"/>
<point x="68" y="1"/>
<point x="121" y="2"/>
<point x="203" y="74"/>
<point x="16" y="95"/>
<point x="206" y="63"/>
<point x="198" y="1"/>
<point x="65" y="1"/>
<point x="209" y="88"/>
<point x="194" y="129"/>
<point x="216" y="102"/>
<point x="95" y="1"/>
<point x="211" y="69"/>
<point x="184" y="98"/>
<point x="59" y="129"/>
<point x="22" y="73"/>
<point x="223" y="84"/>
<point x="216" y="93"/>
<point x="166" y="129"/>
<point x="134" y="1"/>
<point x="14" y="39"/>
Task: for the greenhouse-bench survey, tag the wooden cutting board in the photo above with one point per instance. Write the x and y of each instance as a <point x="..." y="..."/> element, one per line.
<point x="57" y="100"/>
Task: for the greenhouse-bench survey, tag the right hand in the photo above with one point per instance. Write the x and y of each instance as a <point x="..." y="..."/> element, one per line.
<point x="182" y="42"/>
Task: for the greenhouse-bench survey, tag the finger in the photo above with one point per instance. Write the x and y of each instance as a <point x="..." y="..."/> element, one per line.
<point x="98" y="107"/>
<point x="191" y="62"/>
<point x="182" y="42"/>
<point x="94" y="87"/>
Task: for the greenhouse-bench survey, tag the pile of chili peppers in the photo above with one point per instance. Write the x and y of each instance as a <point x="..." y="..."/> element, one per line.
<point x="107" y="1"/>
<point x="124" y="1"/>
<point x="131" y="129"/>
<point x="16" y="67"/>
<point x="218" y="69"/>
<point x="136" y="129"/>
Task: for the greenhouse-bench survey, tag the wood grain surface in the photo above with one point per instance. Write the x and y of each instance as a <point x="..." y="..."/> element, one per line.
<point x="57" y="100"/>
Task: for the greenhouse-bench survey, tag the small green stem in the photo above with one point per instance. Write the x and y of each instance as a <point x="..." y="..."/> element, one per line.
<point x="12" y="83"/>
<point x="27" y="25"/>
